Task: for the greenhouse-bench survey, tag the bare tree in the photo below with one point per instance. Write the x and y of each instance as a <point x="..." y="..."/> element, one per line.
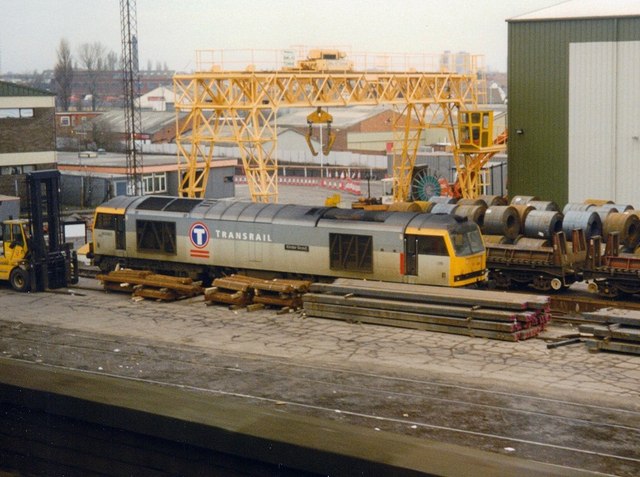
<point x="113" y="62"/>
<point x="36" y="80"/>
<point x="93" y="58"/>
<point x="63" y="74"/>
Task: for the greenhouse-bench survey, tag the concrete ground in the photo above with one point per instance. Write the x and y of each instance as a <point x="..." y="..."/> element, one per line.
<point x="526" y="366"/>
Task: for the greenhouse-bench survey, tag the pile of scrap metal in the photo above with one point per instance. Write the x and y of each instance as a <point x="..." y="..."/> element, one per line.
<point x="486" y="314"/>
<point x="613" y="329"/>
<point x="244" y="291"/>
<point x="146" y="284"/>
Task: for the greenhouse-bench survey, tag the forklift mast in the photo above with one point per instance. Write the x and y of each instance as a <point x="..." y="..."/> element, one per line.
<point x="50" y="258"/>
<point x="43" y="197"/>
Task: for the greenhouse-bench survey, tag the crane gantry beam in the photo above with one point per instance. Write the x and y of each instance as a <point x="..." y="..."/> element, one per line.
<point x="240" y="107"/>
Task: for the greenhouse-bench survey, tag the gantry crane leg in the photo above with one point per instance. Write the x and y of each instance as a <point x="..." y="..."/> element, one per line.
<point x="194" y="161"/>
<point x="408" y="124"/>
<point x="257" y="138"/>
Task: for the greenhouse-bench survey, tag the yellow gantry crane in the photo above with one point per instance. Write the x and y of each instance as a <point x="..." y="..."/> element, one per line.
<point x="240" y="107"/>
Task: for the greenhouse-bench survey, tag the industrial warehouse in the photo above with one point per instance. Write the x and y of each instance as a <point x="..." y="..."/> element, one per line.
<point x="321" y="262"/>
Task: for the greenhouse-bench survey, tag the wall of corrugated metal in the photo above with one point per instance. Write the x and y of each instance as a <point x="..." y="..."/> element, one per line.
<point x="592" y="120"/>
<point x="538" y="79"/>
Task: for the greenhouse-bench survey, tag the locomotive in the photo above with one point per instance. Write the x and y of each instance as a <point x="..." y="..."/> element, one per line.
<point x="205" y="238"/>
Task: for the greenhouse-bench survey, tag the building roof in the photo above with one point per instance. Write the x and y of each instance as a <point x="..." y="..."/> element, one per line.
<point x="574" y="9"/>
<point x="115" y="164"/>
<point x="152" y="121"/>
<point x="12" y="89"/>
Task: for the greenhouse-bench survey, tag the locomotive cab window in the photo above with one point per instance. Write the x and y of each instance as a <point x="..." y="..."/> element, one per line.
<point x="431" y="245"/>
<point x="351" y="252"/>
<point x="156" y="236"/>
<point x="467" y="243"/>
<point x="115" y="223"/>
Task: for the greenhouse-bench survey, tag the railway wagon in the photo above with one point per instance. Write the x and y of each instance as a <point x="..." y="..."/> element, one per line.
<point x="207" y="238"/>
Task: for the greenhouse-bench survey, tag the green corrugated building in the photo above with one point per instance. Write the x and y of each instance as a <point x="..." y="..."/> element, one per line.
<point x="574" y="102"/>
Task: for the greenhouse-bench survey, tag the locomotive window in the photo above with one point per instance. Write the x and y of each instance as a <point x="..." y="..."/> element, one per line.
<point x="430" y="245"/>
<point x="351" y="252"/>
<point x="156" y="236"/>
<point x="467" y="243"/>
<point x="106" y="221"/>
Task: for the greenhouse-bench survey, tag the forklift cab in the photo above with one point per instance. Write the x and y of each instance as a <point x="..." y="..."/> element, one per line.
<point x="14" y="239"/>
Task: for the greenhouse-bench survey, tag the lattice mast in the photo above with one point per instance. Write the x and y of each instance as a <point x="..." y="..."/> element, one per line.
<point x="131" y="82"/>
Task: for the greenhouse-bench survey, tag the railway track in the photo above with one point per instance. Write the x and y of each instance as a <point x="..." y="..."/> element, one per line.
<point x="563" y="432"/>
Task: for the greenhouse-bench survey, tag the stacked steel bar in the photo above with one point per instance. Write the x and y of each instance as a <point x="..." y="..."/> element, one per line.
<point x="146" y="284"/>
<point x="487" y="314"/>
<point x="614" y="329"/>
<point x="240" y="290"/>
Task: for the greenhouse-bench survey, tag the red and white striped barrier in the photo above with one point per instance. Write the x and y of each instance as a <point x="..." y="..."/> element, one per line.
<point x="346" y="185"/>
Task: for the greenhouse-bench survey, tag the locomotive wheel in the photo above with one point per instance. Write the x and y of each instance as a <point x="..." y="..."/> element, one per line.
<point x="19" y="280"/>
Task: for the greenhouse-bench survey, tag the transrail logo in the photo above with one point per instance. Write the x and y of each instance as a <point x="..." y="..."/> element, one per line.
<point x="199" y="236"/>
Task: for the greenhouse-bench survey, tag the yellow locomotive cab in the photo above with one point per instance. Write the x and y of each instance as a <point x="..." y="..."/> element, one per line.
<point x="450" y="257"/>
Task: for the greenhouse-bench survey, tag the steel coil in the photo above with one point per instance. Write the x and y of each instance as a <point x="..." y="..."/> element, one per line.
<point x="576" y="206"/>
<point x="587" y="220"/>
<point x="443" y="199"/>
<point x="604" y="211"/>
<point x="523" y="211"/>
<point x="475" y="213"/>
<point x="502" y="220"/>
<point x="471" y="202"/>
<point x="542" y="223"/>
<point x="523" y="199"/>
<point x="425" y="206"/>
<point x="492" y="200"/>
<point x="444" y="209"/>
<point x="528" y="242"/>
<point x="404" y="207"/>
<point x="543" y="205"/>
<point x="615" y="207"/>
<point x="627" y="226"/>
<point x="496" y="239"/>
<point x="598" y="202"/>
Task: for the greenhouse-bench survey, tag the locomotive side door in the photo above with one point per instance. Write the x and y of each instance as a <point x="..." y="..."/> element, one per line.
<point x="109" y="232"/>
<point x="411" y="255"/>
<point x="427" y="257"/>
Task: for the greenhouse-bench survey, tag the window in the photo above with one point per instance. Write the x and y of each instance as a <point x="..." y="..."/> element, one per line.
<point x="65" y="121"/>
<point x="351" y="252"/>
<point x="16" y="113"/>
<point x="147" y="183"/>
<point x="156" y="236"/>
<point x="105" y="222"/>
<point x="154" y="183"/>
<point x="467" y="243"/>
<point x="160" y="182"/>
<point x="432" y="245"/>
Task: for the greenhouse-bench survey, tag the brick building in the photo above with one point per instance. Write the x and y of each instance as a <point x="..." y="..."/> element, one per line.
<point x="27" y="135"/>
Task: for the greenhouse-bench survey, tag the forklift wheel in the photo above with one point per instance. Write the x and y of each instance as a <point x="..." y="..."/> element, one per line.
<point x="19" y="279"/>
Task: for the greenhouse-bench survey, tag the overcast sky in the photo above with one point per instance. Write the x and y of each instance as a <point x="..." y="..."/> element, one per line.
<point x="172" y="30"/>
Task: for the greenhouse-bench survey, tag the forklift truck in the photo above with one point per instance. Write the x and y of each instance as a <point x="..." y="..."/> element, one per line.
<point x="34" y="255"/>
